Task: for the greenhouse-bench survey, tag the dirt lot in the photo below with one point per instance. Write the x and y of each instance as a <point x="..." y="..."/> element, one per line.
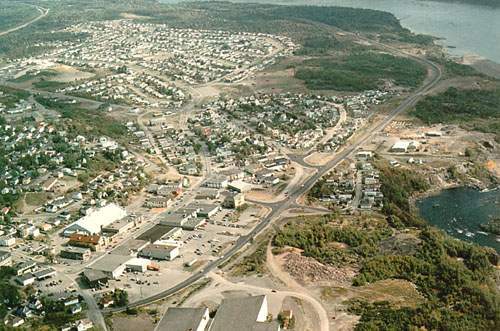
<point x="142" y="322"/>
<point x="67" y="74"/>
<point x="319" y="158"/>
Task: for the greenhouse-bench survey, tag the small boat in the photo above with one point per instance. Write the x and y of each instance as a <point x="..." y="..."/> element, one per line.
<point x="470" y="234"/>
<point x="460" y="231"/>
<point x="482" y="232"/>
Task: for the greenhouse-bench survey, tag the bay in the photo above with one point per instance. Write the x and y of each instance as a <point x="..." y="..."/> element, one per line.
<point x="469" y="29"/>
<point x="460" y="211"/>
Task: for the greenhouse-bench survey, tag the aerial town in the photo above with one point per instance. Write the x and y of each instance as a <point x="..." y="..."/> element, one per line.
<point x="151" y="180"/>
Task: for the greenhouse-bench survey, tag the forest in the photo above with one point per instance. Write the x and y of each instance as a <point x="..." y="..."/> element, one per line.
<point x="359" y="71"/>
<point x="476" y="109"/>
<point x="456" y="278"/>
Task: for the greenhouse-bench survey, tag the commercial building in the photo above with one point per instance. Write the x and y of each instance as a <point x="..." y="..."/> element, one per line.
<point x="5" y="259"/>
<point x="234" y="200"/>
<point x="182" y="319"/>
<point x="118" y="226"/>
<point x="7" y="241"/>
<point x="138" y="264"/>
<point x="208" y="194"/>
<point x="24" y="267"/>
<point x="96" y="220"/>
<point x="95" y="278"/>
<point x="175" y="219"/>
<point x="111" y="265"/>
<point x="240" y="186"/>
<point x="243" y="314"/>
<point x="25" y="280"/>
<point x="75" y="253"/>
<point x="94" y="242"/>
<point x="207" y="210"/>
<point x="216" y="181"/>
<point x="159" y="252"/>
<point x="44" y="273"/>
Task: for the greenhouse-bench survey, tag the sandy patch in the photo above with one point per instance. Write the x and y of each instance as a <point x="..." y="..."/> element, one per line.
<point x="260" y="195"/>
<point x="319" y="158"/>
<point x="131" y="16"/>
<point x="141" y="322"/>
<point x="67" y="74"/>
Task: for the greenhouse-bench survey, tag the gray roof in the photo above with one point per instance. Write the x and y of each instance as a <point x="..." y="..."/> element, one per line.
<point x="94" y="275"/>
<point x="44" y="272"/>
<point x="240" y="314"/>
<point x="181" y="319"/>
<point x="157" y="251"/>
<point x="110" y="262"/>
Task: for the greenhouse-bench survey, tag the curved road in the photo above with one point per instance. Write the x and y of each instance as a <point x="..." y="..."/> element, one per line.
<point x="277" y="208"/>
<point x="43" y="13"/>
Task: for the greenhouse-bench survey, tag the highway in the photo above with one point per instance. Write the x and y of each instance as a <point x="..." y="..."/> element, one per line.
<point x="278" y="208"/>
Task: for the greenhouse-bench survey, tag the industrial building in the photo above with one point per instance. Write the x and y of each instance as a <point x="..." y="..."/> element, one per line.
<point x="138" y="264"/>
<point x="404" y="146"/>
<point x="111" y="265"/>
<point x="159" y="252"/>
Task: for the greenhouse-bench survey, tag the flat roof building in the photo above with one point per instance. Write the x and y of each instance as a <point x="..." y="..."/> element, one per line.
<point x="118" y="226"/>
<point x="111" y="265"/>
<point x="5" y="259"/>
<point x="138" y="264"/>
<point x="159" y="252"/>
<point x="75" y="253"/>
<point x="44" y="273"/>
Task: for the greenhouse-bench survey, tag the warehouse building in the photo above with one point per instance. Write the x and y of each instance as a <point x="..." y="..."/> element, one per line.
<point x="138" y="264"/>
<point x="111" y="265"/>
<point x="159" y="252"/>
<point x="96" y="220"/>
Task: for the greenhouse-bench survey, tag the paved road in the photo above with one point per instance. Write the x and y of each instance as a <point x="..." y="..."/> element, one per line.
<point x="279" y="208"/>
<point x="43" y="13"/>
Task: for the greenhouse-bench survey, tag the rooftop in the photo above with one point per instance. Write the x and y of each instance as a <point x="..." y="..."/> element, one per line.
<point x="182" y="319"/>
<point x="110" y="262"/>
<point x="241" y="314"/>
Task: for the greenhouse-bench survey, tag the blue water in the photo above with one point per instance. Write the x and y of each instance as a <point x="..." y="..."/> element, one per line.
<point x="463" y="209"/>
<point x="472" y="29"/>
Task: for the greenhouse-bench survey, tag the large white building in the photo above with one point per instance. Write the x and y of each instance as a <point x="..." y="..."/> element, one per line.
<point x="95" y="221"/>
